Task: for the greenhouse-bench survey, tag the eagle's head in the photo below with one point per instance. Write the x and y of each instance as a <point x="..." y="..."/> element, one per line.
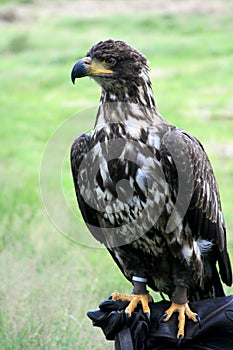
<point x="120" y="69"/>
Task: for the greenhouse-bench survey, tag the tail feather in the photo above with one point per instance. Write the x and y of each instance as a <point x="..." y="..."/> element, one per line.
<point x="212" y="287"/>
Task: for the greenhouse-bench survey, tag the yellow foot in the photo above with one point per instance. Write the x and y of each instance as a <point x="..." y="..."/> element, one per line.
<point x="183" y="310"/>
<point x="134" y="300"/>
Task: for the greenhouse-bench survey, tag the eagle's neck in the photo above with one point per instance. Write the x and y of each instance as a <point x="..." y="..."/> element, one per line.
<point x="127" y="101"/>
<point x="136" y="91"/>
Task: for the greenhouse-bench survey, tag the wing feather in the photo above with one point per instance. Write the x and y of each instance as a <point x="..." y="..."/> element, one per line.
<point x="192" y="167"/>
<point x="79" y="150"/>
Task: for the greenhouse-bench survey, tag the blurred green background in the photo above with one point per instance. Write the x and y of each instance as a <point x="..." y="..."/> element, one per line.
<point x="47" y="281"/>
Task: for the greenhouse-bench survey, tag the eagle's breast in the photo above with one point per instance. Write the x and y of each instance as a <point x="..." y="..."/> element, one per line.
<point x="125" y="183"/>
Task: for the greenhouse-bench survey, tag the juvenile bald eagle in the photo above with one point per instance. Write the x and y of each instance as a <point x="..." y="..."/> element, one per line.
<point x="146" y="189"/>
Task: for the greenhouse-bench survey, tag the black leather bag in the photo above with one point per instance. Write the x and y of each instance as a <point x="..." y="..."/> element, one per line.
<point x="138" y="333"/>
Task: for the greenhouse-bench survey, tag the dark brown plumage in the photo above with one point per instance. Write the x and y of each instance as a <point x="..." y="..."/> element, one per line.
<point x="145" y="188"/>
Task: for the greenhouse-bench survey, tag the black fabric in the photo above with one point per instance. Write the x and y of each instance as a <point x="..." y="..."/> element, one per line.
<point x="138" y="333"/>
<point x="123" y="340"/>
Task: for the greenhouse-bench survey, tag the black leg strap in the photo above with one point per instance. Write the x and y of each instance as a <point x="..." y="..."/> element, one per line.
<point x="139" y="285"/>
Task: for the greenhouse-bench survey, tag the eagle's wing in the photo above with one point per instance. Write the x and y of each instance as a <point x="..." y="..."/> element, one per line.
<point x="79" y="150"/>
<point x="192" y="182"/>
<point x="78" y="153"/>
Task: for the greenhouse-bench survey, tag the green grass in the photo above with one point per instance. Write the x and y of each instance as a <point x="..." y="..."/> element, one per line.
<point x="45" y="278"/>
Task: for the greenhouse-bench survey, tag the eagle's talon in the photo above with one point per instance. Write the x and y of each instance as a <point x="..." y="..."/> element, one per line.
<point x="134" y="300"/>
<point x="161" y="319"/>
<point x="127" y="317"/>
<point x="199" y="320"/>
<point x="179" y="341"/>
<point x="183" y="311"/>
<point x="147" y="316"/>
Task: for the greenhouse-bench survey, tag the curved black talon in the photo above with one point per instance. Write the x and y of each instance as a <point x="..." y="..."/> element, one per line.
<point x="147" y="316"/>
<point x="161" y="319"/>
<point x="179" y="341"/>
<point x="127" y="316"/>
<point x="199" y="321"/>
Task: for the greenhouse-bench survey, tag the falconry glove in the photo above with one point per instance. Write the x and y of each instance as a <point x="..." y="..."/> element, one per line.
<point x="138" y="333"/>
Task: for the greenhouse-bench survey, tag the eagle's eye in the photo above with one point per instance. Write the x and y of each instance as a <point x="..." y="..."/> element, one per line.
<point x="110" y="61"/>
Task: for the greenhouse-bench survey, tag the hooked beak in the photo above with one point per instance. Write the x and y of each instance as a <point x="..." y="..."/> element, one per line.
<point x="88" y="67"/>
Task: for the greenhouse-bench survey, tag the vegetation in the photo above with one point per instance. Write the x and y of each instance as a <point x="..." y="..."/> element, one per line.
<point x="47" y="281"/>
